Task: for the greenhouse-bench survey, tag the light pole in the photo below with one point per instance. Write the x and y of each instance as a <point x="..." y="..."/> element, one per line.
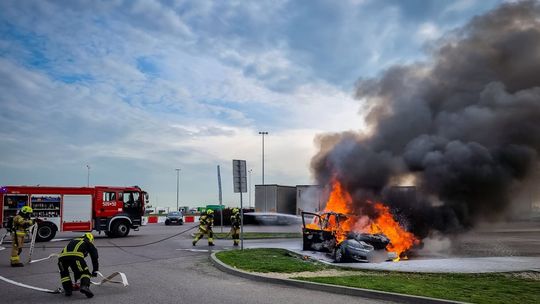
<point x="249" y="186"/>
<point x="263" y="134"/>
<point x="177" y="187"/>
<point x="88" y="176"/>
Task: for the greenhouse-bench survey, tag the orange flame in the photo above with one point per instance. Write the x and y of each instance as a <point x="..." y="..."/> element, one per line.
<point x="340" y="201"/>
<point x="400" y="239"/>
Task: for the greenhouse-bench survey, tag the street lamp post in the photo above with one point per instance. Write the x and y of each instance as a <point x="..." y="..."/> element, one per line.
<point x="263" y="134"/>
<point x="265" y="201"/>
<point x="177" y="187"/>
<point x="88" y="176"/>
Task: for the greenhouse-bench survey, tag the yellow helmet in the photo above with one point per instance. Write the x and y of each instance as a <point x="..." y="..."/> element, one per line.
<point x="89" y="236"/>
<point x="27" y="209"/>
<point x="209" y="211"/>
<point x="235" y="210"/>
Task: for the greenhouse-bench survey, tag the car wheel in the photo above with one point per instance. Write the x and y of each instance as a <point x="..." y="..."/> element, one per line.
<point x="167" y="222"/>
<point x="339" y="255"/>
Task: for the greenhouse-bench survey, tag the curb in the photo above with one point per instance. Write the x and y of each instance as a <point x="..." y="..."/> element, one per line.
<point x="350" y="291"/>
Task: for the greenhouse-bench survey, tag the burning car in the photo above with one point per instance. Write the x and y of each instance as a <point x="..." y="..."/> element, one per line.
<point x="324" y="232"/>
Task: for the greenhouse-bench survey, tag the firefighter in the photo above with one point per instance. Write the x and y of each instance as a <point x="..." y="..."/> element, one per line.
<point x="206" y="221"/>
<point x="235" y="226"/>
<point x="72" y="257"/>
<point x="21" y="223"/>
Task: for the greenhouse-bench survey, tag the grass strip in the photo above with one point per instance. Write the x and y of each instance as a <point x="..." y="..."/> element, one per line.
<point x="262" y="235"/>
<point x="473" y="288"/>
<point x="269" y="260"/>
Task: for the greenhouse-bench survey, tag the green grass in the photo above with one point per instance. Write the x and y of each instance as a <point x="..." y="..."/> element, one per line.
<point x="268" y="260"/>
<point x="262" y="235"/>
<point x="474" y="288"/>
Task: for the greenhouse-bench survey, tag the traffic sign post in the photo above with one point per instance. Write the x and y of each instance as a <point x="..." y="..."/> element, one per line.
<point x="240" y="186"/>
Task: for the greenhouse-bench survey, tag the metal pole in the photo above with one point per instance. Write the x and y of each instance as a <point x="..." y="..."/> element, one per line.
<point x="249" y="187"/>
<point x="177" y="187"/>
<point x="220" y="196"/>
<point x="265" y="202"/>
<point x="241" y="223"/>
<point x="88" y="176"/>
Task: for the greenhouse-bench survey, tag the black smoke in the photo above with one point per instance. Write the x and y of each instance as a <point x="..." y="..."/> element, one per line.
<point x="466" y="124"/>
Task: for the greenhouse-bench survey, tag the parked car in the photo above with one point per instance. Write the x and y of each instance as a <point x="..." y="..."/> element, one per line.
<point x="320" y="233"/>
<point x="174" y="217"/>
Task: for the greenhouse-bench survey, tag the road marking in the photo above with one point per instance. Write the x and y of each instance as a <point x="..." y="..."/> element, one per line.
<point x="193" y="250"/>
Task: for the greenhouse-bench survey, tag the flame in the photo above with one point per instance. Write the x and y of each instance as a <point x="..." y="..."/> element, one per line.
<point x="340" y="201"/>
<point x="400" y="239"/>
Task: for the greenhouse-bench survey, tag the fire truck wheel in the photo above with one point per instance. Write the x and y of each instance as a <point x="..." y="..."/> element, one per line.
<point x="120" y="229"/>
<point x="45" y="232"/>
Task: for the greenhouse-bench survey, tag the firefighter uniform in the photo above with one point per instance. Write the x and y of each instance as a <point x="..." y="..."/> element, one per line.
<point x="235" y="226"/>
<point x="72" y="257"/>
<point x="206" y="221"/>
<point x="21" y="223"/>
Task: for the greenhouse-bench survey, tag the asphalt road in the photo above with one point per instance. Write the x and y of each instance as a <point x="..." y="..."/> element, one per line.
<point x="165" y="272"/>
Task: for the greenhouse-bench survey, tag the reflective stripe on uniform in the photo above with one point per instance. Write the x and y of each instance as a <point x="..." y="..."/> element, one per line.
<point x="75" y="250"/>
<point x="77" y="254"/>
<point x="65" y="279"/>
<point x="80" y="266"/>
<point x="85" y="276"/>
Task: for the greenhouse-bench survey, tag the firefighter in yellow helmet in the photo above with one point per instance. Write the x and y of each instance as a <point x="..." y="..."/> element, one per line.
<point x="206" y="222"/>
<point x="72" y="257"/>
<point x="235" y="226"/>
<point x="21" y="223"/>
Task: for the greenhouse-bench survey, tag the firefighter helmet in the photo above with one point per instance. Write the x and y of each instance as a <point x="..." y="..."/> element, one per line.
<point x="26" y="210"/>
<point x="89" y="236"/>
<point x="209" y="211"/>
<point x="235" y="210"/>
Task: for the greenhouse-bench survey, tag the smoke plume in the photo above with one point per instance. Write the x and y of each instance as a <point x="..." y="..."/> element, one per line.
<point x="465" y="125"/>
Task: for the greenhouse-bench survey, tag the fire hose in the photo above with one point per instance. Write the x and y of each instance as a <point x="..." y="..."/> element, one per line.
<point x="108" y="279"/>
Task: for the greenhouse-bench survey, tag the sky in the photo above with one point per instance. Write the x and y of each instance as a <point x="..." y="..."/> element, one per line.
<point x="137" y="89"/>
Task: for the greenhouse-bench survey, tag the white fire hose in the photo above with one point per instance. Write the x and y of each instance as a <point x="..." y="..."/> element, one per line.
<point x="108" y="279"/>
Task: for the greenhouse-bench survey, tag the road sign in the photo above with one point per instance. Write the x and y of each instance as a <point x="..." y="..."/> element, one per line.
<point x="239" y="176"/>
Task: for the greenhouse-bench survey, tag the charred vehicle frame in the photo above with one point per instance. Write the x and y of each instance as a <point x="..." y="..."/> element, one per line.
<point x="325" y="230"/>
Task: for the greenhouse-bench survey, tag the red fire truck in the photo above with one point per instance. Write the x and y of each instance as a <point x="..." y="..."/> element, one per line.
<point x="113" y="210"/>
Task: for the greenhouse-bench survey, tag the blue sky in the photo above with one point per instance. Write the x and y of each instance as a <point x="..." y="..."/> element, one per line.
<point x="136" y="89"/>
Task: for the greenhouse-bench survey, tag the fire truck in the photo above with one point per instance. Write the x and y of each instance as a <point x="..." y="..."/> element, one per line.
<point x="113" y="210"/>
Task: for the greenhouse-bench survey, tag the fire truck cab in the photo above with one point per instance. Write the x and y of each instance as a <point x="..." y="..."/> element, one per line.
<point x="113" y="210"/>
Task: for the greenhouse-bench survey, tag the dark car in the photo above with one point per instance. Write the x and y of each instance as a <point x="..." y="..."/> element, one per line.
<point x="174" y="218"/>
<point x="322" y="231"/>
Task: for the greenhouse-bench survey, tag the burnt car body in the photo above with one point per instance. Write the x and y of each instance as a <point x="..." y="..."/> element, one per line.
<point x="321" y="234"/>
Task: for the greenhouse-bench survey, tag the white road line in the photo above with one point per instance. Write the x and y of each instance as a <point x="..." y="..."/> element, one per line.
<point x="193" y="250"/>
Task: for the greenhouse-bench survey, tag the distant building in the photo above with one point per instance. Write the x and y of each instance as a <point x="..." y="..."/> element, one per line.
<point x="309" y="198"/>
<point x="275" y="198"/>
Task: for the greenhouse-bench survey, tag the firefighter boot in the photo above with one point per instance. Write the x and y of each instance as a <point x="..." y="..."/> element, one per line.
<point x="68" y="287"/>
<point x="17" y="265"/>
<point x="85" y="287"/>
<point x="86" y="290"/>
